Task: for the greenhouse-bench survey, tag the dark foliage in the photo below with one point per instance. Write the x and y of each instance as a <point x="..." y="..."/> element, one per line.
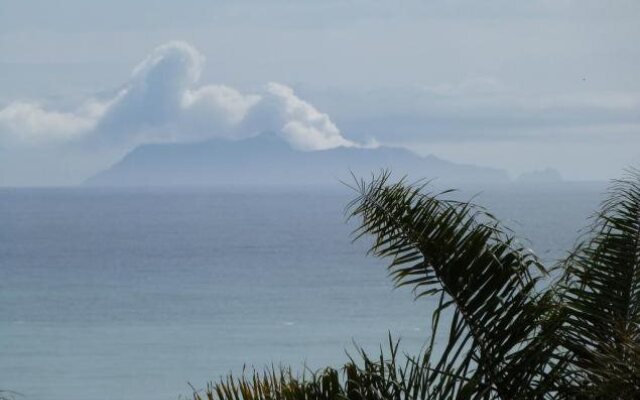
<point x="577" y="338"/>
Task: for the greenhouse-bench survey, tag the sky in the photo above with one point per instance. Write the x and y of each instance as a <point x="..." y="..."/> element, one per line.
<point x="515" y="85"/>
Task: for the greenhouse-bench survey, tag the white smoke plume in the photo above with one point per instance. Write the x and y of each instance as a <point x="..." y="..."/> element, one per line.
<point x="162" y="101"/>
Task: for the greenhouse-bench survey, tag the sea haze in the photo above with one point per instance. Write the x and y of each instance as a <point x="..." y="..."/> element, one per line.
<point x="131" y="293"/>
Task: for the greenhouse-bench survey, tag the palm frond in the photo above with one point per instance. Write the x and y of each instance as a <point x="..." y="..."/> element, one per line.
<point x="389" y="376"/>
<point x="601" y="294"/>
<point x="459" y="252"/>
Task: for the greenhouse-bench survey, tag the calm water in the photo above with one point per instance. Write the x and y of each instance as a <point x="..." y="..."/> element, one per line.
<point x="123" y="294"/>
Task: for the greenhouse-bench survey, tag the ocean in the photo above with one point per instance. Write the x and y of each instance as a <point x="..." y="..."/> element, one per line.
<point x="137" y="293"/>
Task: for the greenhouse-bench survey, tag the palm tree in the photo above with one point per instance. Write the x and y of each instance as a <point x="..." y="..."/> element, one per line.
<point x="514" y="328"/>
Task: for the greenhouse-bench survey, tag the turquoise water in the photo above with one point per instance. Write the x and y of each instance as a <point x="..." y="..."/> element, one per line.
<point x="122" y="294"/>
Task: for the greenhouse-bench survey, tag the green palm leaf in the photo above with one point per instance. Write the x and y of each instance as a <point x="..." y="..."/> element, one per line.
<point x="601" y="294"/>
<point x="459" y="252"/>
<point x="506" y="335"/>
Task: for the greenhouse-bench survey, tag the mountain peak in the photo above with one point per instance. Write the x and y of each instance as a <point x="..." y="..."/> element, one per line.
<point x="266" y="159"/>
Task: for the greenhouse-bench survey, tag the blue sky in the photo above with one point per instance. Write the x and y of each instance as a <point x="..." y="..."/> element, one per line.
<point x="497" y="83"/>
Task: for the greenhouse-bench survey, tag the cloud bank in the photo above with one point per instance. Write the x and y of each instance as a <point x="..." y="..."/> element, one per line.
<point x="163" y="102"/>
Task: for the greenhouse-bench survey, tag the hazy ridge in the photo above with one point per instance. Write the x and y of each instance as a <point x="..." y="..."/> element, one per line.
<point x="267" y="160"/>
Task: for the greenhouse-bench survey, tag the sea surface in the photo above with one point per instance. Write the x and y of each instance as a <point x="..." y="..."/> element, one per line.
<point x="134" y="294"/>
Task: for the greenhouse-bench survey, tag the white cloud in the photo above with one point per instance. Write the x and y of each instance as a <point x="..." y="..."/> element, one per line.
<point x="216" y="110"/>
<point x="29" y="123"/>
<point x="162" y="102"/>
<point x="302" y="124"/>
